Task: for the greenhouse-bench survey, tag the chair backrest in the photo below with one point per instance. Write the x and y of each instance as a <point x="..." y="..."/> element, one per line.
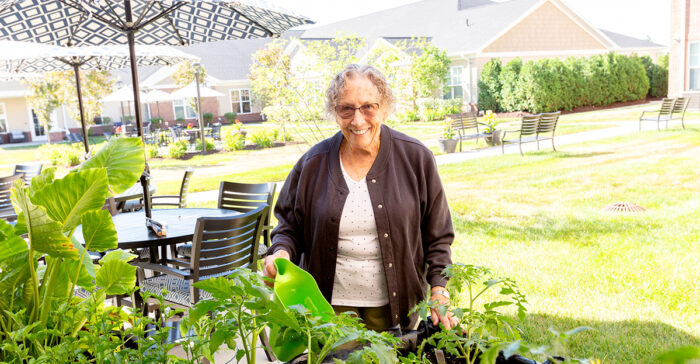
<point x="548" y="122"/>
<point x="221" y="244"/>
<point x="29" y="170"/>
<point x="185" y="186"/>
<point x="247" y="196"/>
<point x="529" y="124"/>
<point x="215" y="129"/>
<point x="680" y="105"/>
<point x="463" y="121"/>
<point x="6" y="184"/>
<point x="666" y="106"/>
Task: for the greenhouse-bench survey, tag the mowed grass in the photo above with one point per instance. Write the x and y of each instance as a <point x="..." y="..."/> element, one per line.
<point x="633" y="278"/>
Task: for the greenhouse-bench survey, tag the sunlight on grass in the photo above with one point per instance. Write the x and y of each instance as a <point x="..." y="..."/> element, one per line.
<point x="631" y="277"/>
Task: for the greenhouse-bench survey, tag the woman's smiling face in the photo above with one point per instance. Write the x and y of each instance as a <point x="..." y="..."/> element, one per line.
<point x="361" y="130"/>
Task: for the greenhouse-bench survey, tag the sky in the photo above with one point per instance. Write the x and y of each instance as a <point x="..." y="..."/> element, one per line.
<point x="637" y="18"/>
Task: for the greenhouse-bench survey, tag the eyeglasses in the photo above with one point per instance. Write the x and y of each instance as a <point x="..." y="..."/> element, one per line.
<point x="347" y="111"/>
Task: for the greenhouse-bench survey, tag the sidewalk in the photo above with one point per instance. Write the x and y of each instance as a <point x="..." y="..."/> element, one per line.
<point x="623" y="128"/>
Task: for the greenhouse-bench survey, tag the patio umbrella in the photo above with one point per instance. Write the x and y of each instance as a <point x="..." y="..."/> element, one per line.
<point x="196" y="90"/>
<point x="157" y="96"/>
<point x="121" y="95"/>
<point x="148" y="22"/>
<point x="33" y="57"/>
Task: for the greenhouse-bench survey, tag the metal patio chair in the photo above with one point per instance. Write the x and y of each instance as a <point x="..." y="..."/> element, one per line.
<point x="662" y="115"/>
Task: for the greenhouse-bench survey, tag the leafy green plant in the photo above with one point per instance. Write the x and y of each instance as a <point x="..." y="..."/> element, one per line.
<point x="156" y="123"/>
<point x="490" y="85"/>
<point x="491" y="121"/>
<point x="49" y="211"/>
<point x="233" y="140"/>
<point x="207" y="117"/>
<point x="230" y="117"/>
<point x="61" y="154"/>
<point x="210" y="144"/>
<point x="178" y="149"/>
<point x="478" y="328"/>
<point x="448" y="131"/>
<point x="152" y="151"/>
<point x="263" y="138"/>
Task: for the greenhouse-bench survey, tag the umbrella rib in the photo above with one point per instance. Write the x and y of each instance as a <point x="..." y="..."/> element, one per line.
<point x="7" y="7"/>
<point x="146" y="9"/>
<point x="116" y="22"/>
<point x="269" y="32"/>
<point x="166" y="13"/>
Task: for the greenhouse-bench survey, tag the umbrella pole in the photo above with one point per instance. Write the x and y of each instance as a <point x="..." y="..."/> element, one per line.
<point x="76" y="70"/>
<point x="199" y="112"/>
<point x="145" y="177"/>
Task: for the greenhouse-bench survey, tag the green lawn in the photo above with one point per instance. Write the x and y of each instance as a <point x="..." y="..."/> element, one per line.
<point x="632" y="277"/>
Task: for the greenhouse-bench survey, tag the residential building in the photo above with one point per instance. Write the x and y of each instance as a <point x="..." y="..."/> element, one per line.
<point x="684" y="56"/>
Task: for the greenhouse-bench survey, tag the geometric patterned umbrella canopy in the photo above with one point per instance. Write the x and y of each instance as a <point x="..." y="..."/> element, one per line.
<point x="34" y="57"/>
<point x="148" y="22"/>
<point x="174" y="22"/>
<point x="40" y="58"/>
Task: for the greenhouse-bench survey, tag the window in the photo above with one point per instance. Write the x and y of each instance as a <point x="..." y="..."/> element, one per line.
<point x="240" y="101"/>
<point x="3" y="119"/>
<point x="694" y="66"/>
<point x="183" y="110"/>
<point x="38" y="128"/>
<point x="453" y="84"/>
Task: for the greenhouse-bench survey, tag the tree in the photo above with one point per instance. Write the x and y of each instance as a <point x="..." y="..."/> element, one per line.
<point x="490" y="86"/>
<point x="94" y="86"/>
<point x="293" y="93"/>
<point x="429" y="70"/>
<point x="44" y="98"/>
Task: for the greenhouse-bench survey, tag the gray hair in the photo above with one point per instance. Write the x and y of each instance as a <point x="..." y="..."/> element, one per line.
<point x="337" y="87"/>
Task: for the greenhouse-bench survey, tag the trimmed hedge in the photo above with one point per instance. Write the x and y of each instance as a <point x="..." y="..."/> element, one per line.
<point x="489" y="85"/>
<point x="551" y="84"/>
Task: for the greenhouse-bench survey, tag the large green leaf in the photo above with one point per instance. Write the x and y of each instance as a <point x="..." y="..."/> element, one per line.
<point x="86" y="277"/>
<point x="14" y="273"/>
<point x="44" y="233"/>
<point x="116" y="276"/>
<point x="10" y="243"/>
<point x="66" y="200"/>
<point x="46" y="177"/>
<point x="124" y="159"/>
<point x="99" y="233"/>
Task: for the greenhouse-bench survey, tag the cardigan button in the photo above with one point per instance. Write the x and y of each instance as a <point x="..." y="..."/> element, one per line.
<point x="394" y="294"/>
<point x="380" y="206"/>
<point x="386" y="235"/>
<point x="374" y="180"/>
<point x="391" y="265"/>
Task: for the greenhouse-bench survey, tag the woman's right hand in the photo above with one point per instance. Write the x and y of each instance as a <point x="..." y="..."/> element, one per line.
<point x="269" y="269"/>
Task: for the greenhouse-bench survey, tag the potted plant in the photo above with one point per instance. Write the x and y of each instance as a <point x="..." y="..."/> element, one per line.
<point x="447" y="141"/>
<point x="494" y="135"/>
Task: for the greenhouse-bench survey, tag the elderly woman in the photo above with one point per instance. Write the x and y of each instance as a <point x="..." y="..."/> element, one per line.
<point x="366" y="210"/>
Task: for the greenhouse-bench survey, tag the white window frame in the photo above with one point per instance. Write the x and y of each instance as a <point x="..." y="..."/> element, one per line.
<point x="3" y="118"/>
<point x="451" y="85"/>
<point x="240" y="101"/>
<point x="184" y="103"/>
<point x="696" y="67"/>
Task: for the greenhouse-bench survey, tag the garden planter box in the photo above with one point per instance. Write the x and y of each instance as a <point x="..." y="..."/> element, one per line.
<point x="447" y="145"/>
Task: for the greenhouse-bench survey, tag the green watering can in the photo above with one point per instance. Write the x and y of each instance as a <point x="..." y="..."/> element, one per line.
<point x="294" y="286"/>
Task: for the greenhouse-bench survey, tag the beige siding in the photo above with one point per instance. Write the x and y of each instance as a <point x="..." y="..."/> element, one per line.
<point x="17" y="114"/>
<point x="546" y="29"/>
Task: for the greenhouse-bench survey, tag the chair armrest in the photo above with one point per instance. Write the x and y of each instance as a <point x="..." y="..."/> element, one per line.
<point x="165" y="196"/>
<point x="162" y="269"/>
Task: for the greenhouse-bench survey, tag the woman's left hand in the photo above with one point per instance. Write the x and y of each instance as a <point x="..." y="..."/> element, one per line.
<point x="448" y="320"/>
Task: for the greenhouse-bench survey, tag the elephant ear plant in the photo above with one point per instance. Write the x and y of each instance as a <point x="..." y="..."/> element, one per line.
<point x="38" y="275"/>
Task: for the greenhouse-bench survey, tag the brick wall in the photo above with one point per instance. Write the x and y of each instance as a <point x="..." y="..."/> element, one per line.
<point x="677" y="60"/>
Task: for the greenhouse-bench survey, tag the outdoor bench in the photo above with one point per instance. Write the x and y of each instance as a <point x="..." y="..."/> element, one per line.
<point x="678" y="111"/>
<point x="466" y="126"/>
<point x="664" y="114"/>
<point x="534" y="128"/>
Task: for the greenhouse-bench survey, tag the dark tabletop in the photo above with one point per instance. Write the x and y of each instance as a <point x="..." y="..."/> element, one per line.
<point x="132" y="232"/>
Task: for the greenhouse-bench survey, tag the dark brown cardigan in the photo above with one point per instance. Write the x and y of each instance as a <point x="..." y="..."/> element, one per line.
<point x="410" y="209"/>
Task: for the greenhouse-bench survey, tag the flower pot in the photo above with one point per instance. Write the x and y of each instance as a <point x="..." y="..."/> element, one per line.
<point x="494" y="138"/>
<point x="447" y="145"/>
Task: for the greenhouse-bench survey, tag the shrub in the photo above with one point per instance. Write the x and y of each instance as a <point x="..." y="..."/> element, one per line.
<point x="657" y="74"/>
<point x="152" y="151"/>
<point x="177" y="149"/>
<point x="230" y="117"/>
<point x="61" y="154"/>
<point x="436" y="109"/>
<point x="210" y="144"/>
<point x="207" y="117"/>
<point x="406" y="116"/>
<point x="233" y="140"/>
<point x="263" y="139"/>
<point x="511" y="96"/>
<point x="490" y="85"/>
<point x="156" y="122"/>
